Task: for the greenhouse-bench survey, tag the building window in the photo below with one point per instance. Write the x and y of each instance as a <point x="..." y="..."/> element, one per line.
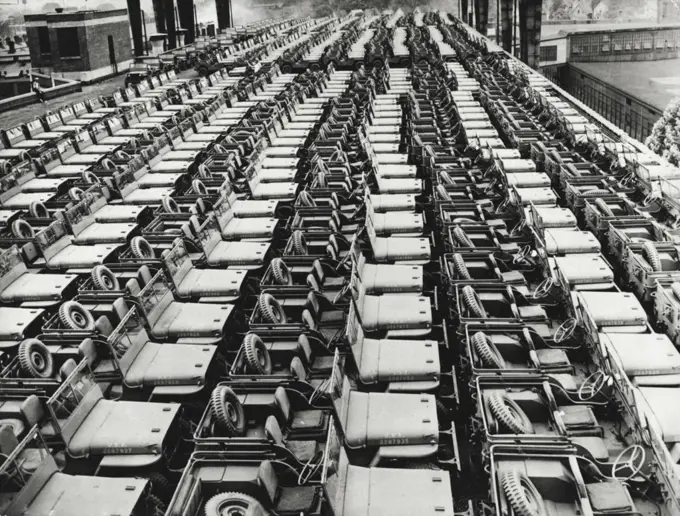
<point x="549" y="53"/>
<point x="69" y="46"/>
<point x="44" y="40"/>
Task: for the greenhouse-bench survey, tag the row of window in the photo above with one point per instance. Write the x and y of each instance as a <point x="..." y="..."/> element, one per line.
<point x="67" y="41"/>
<point x="587" y="45"/>
<point x="548" y="53"/>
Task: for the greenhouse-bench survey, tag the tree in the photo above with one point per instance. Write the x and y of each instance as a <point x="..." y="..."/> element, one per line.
<point x="665" y="137"/>
<point x="555" y="7"/>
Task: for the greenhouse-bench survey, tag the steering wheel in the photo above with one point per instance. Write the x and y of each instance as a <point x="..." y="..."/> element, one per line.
<point x="543" y="289"/>
<point x="522" y="256"/>
<point x="592" y="386"/>
<point x="565" y="330"/>
<point x="342" y="293"/>
<point x="350" y="253"/>
<point x="637" y="459"/>
<point x="517" y="230"/>
<point x="649" y="199"/>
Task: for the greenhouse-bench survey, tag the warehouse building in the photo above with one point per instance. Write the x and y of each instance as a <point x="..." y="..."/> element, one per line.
<point x="81" y="45"/>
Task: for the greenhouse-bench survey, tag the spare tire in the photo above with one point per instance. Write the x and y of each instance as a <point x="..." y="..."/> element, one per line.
<point x="460" y="268"/>
<point x="22" y="229"/>
<point x="107" y="164"/>
<point x="306" y="199"/>
<point x="441" y="190"/>
<point x="281" y="272"/>
<point x="234" y="504"/>
<point x="651" y="254"/>
<point x="141" y="248"/>
<point x="38" y="210"/>
<point x="257" y="354"/>
<point x="170" y="205"/>
<point x="75" y="316"/>
<point x="198" y="187"/>
<point x="35" y="359"/>
<point x="486" y="351"/>
<point x="228" y="411"/>
<point x="522" y="494"/>
<point x="472" y="302"/>
<point x="104" y="279"/>
<point x="90" y="178"/>
<point x="271" y="310"/>
<point x="76" y="194"/>
<point x="461" y="237"/>
<point x="299" y="243"/>
<point x="446" y="178"/>
<point x="509" y="414"/>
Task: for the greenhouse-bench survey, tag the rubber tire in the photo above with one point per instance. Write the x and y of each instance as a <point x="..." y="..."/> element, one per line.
<point x="460" y="268"/>
<point x="219" y="398"/>
<point x="509" y="414"/>
<point x="461" y="237"/>
<point x="160" y="487"/>
<point x="22" y="229"/>
<point x="471" y="300"/>
<point x="90" y="178"/>
<point x="651" y="254"/>
<point x="141" y="248"/>
<point x="76" y="194"/>
<point x="604" y="207"/>
<point x="66" y="311"/>
<point x="198" y="187"/>
<point x="271" y="310"/>
<point x="441" y="190"/>
<point x="299" y="243"/>
<point x="249" y="506"/>
<point x="257" y="355"/>
<point x="38" y="210"/>
<point x="446" y="178"/>
<point x="322" y="180"/>
<point x="26" y="353"/>
<point x="169" y="205"/>
<point x="516" y="484"/>
<point x="486" y="351"/>
<point x="104" y="279"/>
<point x="598" y="191"/>
<point x="281" y="272"/>
<point x="306" y="199"/>
<point x="155" y="506"/>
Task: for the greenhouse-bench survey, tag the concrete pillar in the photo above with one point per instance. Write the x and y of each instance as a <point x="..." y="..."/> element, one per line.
<point x="506" y="25"/>
<point x="225" y="19"/>
<point x="135" y="14"/>
<point x="185" y="11"/>
<point x="159" y="16"/>
<point x="481" y="15"/>
<point x="530" y="31"/>
<point x="169" y="7"/>
<point x="523" y="6"/>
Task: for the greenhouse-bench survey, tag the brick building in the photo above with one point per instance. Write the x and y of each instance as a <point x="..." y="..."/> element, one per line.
<point x="81" y="45"/>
